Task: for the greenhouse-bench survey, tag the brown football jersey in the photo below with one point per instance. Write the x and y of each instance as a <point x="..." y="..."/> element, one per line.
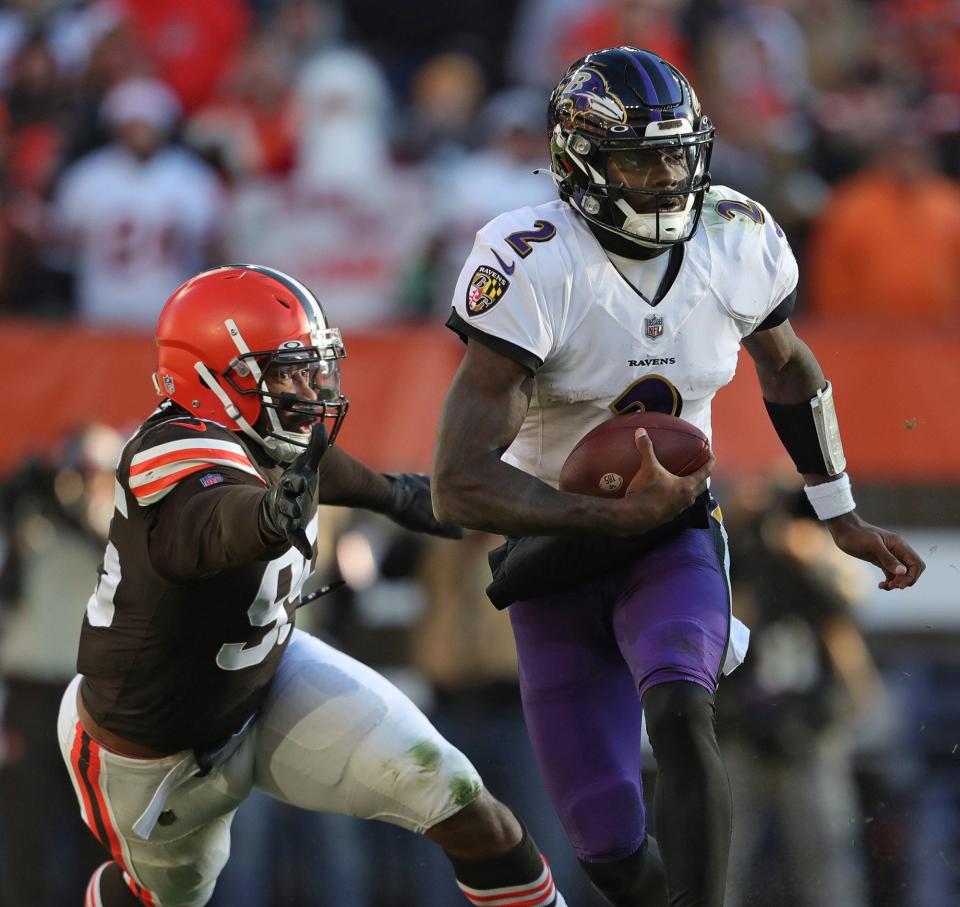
<point x="192" y="609"/>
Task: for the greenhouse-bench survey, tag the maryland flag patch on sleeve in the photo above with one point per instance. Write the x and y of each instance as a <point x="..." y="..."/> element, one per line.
<point x="485" y="290"/>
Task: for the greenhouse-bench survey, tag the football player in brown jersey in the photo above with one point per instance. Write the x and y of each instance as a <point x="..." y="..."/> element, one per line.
<point x="194" y="684"/>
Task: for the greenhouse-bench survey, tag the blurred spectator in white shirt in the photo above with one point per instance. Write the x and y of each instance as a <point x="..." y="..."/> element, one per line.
<point x="138" y="216"/>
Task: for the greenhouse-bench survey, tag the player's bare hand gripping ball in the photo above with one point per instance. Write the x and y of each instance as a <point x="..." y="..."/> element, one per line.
<point x="655" y="495"/>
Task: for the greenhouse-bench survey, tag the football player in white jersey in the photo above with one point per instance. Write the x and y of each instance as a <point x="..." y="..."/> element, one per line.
<point x="633" y="291"/>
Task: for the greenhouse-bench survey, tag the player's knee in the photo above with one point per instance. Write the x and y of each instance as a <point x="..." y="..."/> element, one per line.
<point x="680" y="719"/>
<point x="605" y="818"/>
<point x="636" y="879"/>
<point x="483" y="828"/>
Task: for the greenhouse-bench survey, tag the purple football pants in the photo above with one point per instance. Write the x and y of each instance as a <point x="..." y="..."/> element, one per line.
<point x="586" y="659"/>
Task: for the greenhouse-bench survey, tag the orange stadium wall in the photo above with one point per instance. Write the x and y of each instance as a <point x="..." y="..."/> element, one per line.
<point x="896" y="390"/>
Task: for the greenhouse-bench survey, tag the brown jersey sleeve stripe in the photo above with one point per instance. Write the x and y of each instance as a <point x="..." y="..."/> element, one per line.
<point x="200" y="452"/>
<point x="154" y="473"/>
<point x="151" y="488"/>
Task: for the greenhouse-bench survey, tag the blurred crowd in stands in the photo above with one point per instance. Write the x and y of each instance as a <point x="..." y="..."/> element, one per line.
<point x="359" y="145"/>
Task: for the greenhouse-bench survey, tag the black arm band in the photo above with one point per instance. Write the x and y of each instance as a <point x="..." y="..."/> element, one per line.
<point x="797" y="428"/>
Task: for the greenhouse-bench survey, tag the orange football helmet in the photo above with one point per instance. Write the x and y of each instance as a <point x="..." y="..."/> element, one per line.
<point x="224" y="331"/>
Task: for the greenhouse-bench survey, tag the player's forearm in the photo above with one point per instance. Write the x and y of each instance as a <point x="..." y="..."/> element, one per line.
<point x="796" y="383"/>
<point x="794" y="379"/>
<point x="212" y="532"/>
<point x="789" y="376"/>
<point x="472" y="487"/>
<point x="346" y="482"/>
<point x="487" y="494"/>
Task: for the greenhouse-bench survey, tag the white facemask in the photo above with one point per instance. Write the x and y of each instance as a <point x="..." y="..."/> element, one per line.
<point x="644" y="226"/>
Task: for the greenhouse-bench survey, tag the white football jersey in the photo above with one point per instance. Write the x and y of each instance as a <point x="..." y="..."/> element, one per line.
<point x="540" y="288"/>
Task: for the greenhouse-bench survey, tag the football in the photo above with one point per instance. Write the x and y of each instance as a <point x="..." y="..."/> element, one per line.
<point x="606" y="458"/>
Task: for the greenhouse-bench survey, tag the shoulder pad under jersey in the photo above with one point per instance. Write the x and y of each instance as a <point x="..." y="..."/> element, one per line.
<point x="754" y="268"/>
<point x="168" y="451"/>
<point x="537" y="240"/>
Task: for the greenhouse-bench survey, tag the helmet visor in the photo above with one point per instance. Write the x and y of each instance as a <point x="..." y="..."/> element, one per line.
<point x="299" y="384"/>
<point x="285" y="377"/>
<point x="656" y="177"/>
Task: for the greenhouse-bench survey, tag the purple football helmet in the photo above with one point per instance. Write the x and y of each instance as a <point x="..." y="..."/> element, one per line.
<point x="630" y="146"/>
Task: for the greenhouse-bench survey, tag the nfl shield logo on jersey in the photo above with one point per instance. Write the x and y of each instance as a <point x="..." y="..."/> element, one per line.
<point x="485" y="289"/>
<point x="653" y="327"/>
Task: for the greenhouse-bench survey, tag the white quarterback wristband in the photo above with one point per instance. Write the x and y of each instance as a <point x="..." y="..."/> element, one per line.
<point x="831" y="498"/>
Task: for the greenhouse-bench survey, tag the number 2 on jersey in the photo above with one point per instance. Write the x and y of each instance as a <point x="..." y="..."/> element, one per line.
<point x="542" y="231"/>
<point x="727" y="208"/>
<point x="649" y="394"/>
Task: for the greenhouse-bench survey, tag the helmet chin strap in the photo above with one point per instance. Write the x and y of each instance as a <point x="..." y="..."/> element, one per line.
<point x="621" y="233"/>
<point x="631" y="235"/>
<point x="284" y="446"/>
<point x="280" y="449"/>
